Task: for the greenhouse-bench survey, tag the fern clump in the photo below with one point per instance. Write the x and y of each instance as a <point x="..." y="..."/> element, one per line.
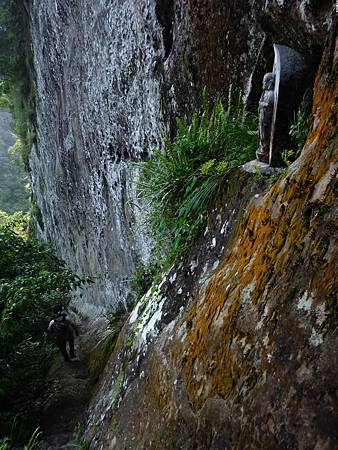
<point x="183" y="177"/>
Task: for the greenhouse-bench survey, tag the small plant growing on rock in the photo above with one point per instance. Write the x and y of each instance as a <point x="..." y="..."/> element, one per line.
<point x="299" y="127"/>
<point x="34" y="442"/>
<point x="81" y="443"/>
<point x="287" y="157"/>
<point x="143" y="277"/>
<point x="116" y="319"/>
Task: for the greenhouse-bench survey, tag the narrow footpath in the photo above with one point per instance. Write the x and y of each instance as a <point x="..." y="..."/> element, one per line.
<point x="66" y="403"/>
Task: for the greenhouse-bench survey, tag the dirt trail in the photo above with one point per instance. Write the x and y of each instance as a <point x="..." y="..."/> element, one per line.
<point x="66" y="402"/>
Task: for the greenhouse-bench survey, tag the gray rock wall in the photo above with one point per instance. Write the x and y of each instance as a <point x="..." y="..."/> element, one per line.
<point x="97" y="109"/>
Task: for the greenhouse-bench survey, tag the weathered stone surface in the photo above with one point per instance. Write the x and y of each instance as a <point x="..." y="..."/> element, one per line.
<point x="106" y="72"/>
<point x="236" y="348"/>
<point x="246" y="356"/>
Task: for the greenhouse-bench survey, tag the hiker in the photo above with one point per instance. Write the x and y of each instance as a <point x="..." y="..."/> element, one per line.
<point x="62" y="331"/>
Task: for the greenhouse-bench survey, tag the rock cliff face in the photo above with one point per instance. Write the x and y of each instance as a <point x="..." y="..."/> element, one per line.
<point x="107" y="73"/>
<point x="238" y="347"/>
<point x="97" y="109"/>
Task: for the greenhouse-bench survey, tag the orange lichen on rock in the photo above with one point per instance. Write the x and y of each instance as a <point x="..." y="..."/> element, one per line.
<point x="161" y="388"/>
<point x="272" y="239"/>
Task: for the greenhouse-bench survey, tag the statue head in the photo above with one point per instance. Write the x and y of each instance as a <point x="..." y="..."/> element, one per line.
<point x="269" y="81"/>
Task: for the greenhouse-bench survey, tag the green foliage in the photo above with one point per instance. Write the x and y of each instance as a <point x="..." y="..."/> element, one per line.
<point x="287" y="157"/>
<point x="4" y="98"/>
<point x="116" y="319"/>
<point x="32" y="281"/>
<point x="143" y="278"/>
<point x="118" y="385"/>
<point x="18" y="222"/>
<point x="81" y="444"/>
<point x="5" y="444"/>
<point x="15" y="68"/>
<point x="181" y="181"/>
<point x="23" y="117"/>
<point x="34" y="442"/>
<point x="299" y="127"/>
<point x="13" y="179"/>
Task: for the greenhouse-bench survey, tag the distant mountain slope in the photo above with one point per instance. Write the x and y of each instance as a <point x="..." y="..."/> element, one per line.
<point x="13" y="196"/>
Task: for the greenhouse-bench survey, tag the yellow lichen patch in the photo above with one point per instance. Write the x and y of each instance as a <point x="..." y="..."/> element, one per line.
<point x="161" y="391"/>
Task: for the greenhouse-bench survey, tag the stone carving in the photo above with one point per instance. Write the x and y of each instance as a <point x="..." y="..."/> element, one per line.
<point x="283" y="90"/>
<point x="266" y="107"/>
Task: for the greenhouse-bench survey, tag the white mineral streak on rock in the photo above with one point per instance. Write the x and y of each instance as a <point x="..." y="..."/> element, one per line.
<point x="170" y="327"/>
<point x="316" y="338"/>
<point x="172" y="278"/>
<point x="324" y="181"/>
<point x="305" y="301"/>
<point x="260" y="324"/>
<point x="321" y="313"/>
<point x="193" y="265"/>
<point x="135" y="313"/>
<point x="181" y="332"/>
<point x="246" y="291"/>
<point x="148" y="329"/>
<point x="145" y="324"/>
<point x="224" y="227"/>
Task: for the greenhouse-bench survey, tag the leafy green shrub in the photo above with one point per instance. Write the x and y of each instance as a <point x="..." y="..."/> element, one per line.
<point x="32" y="281"/>
<point x="18" y="222"/>
<point x="5" y="444"/>
<point x="299" y="127"/>
<point x="288" y="157"/>
<point x="298" y="130"/>
<point x="182" y="179"/>
<point x="4" y="99"/>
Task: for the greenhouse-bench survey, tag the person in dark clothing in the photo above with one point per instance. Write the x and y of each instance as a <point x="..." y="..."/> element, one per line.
<point x="62" y="330"/>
